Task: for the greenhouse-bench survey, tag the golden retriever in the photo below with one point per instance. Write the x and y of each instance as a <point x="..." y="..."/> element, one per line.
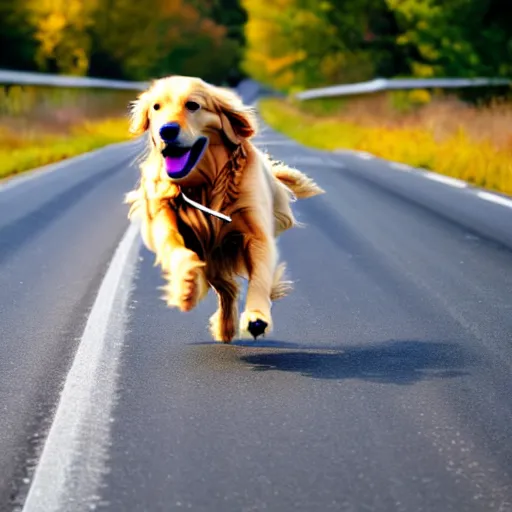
<point x="200" y="153"/>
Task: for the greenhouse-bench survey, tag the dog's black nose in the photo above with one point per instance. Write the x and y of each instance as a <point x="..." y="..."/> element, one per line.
<point x="169" y="132"/>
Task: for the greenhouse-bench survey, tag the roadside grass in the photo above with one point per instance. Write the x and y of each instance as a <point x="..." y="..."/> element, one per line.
<point x="443" y="135"/>
<point x="22" y="149"/>
<point x="40" y="125"/>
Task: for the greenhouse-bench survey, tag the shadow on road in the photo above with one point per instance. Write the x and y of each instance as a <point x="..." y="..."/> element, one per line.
<point x="391" y="362"/>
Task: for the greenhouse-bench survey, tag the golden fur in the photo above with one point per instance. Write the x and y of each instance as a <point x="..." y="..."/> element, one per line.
<point x="197" y="251"/>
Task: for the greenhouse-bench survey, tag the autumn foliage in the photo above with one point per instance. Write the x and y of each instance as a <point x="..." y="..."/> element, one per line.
<point x="129" y="39"/>
<point x="288" y="45"/>
<point x="299" y="44"/>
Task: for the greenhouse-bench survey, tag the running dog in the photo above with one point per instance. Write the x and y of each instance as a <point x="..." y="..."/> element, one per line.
<point x="211" y="204"/>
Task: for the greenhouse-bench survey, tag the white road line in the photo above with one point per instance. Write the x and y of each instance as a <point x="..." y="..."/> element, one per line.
<point x="275" y="143"/>
<point x="446" y="180"/>
<point x="400" y="167"/>
<point x="452" y="182"/>
<point x="307" y="160"/>
<point x="9" y="183"/>
<point x="353" y="152"/>
<point x="494" y="198"/>
<point x="364" y="155"/>
<point x="72" y="462"/>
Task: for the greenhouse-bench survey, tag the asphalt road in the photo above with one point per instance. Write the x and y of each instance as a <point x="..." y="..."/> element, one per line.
<point x="57" y="235"/>
<point x="384" y="387"/>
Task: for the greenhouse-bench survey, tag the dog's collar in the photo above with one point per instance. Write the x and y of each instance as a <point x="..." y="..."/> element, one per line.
<point x="205" y="209"/>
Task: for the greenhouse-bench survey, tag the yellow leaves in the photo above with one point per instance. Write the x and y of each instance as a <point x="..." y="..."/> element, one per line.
<point x="266" y="8"/>
<point x="428" y="51"/>
<point x="79" y="61"/>
<point x="268" y="54"/>
<point x="50" y="29"/>
<point x="306" y="18"/>
<point x="61" y="31"/>
<point x="331" y="64"/>
<point x="279" y="63"/>
<point x="140" y="38"/>
<point x="259" y="65"/>
<point x="49" y="32"/>
<point x="287" y="40"/>
<point x="403" y="39"/>
<point x="260" y="32"/>
<point x="284" y="80"/>
<point x="420" y="70"/>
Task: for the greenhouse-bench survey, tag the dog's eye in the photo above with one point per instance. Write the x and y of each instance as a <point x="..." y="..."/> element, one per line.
<point x="156" y="106"/>
<point x="192" y="106"/>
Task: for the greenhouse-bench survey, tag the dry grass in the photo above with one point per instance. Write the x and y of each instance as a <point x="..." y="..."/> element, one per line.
<point x="444" y="135"/>
<point x="42" y="125"/>
<point x="22" y="150"/>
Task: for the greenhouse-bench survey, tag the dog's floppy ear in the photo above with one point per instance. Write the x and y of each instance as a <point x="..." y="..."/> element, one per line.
<point x="238" y="120"/>
<point x="139" y="114"/>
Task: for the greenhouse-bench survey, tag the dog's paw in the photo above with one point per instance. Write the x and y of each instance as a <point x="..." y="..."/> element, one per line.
<point x="187" y="283"/>
<point x="254" y="323"/>
<point x="223" y="330"/>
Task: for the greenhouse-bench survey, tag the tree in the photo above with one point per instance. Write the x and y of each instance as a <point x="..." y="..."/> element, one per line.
<point x="124" y="38"/>
<point x="140" y="40"/>
<point x="455" y="38"/>
<point x="199" y="45"/>
<point x="61" y="32"/>
<point x="231" y="15"/>
<point x="17" y="44"/>
<point x="307" y="43"/>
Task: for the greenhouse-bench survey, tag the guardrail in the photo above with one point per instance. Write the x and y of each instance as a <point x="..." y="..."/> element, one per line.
<point x="8" y="77"/>
<point x="383" y="84"/>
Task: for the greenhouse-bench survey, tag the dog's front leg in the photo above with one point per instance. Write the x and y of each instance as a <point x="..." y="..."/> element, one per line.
<point x="261" y="259"/>
<point x="183" y="270"/>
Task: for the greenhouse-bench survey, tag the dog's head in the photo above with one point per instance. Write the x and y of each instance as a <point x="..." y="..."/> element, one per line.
<point x="184" y="115"/>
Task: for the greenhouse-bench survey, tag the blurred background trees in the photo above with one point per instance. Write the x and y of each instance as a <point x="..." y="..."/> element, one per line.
<point x="130" y="39"/>
<point x="287" y="44"/>
<point x="310" y="43"/>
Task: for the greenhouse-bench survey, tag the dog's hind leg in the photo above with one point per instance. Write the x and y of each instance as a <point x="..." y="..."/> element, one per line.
<point x="223" y="323"/>
<point x="283" y="214"/>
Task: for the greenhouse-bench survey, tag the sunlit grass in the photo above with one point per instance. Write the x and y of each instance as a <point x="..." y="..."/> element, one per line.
<point x="471" y="144"/>
<point x="21" y="150"/>
<point x="42" y="125"/>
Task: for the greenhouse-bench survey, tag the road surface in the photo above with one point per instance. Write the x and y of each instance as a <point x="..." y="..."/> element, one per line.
<point x="384" y="387"/>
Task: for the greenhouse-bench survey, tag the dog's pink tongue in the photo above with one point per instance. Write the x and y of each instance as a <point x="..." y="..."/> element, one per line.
<point x="176" y="164"/>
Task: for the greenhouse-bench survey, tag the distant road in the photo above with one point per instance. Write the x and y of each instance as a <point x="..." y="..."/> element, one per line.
<point x="385" y="386"/>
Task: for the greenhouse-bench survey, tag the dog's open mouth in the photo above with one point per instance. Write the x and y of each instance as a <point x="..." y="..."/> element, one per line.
<point x="180" y="160"/>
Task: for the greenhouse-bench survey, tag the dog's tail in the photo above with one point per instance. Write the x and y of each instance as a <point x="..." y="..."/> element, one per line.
<point x="301" y="185"/>
<point x="280" y="287"/>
